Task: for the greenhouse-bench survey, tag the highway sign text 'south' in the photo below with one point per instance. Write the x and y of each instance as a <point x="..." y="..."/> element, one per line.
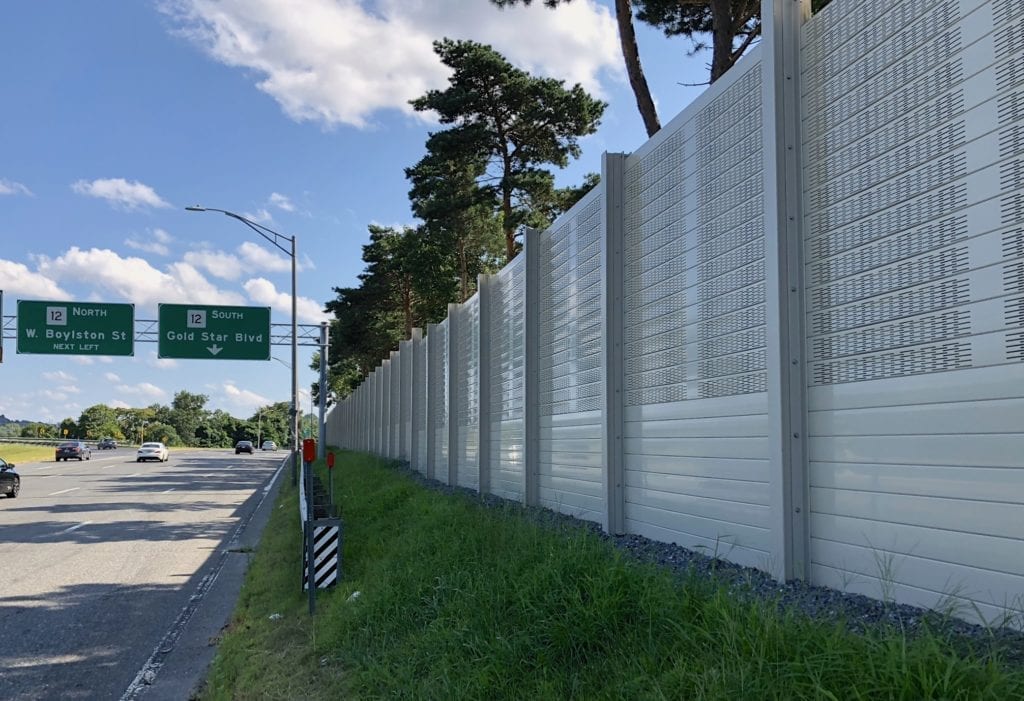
<point x="225" y="333"/>
<point x="75" y="328"/>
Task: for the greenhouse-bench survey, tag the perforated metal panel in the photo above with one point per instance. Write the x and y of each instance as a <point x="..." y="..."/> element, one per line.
<point x="506" y="371"/>
<point x="695" y="336"/>
<point x="439" y="397"/>
<point x="913" y="144"/>
<point x="570" y="387"/>
<point x="466" y="346"/>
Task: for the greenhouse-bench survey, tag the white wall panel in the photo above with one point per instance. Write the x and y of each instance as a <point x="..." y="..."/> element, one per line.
<point x="570" y="386"/>
<point x="394" y="404"/>
<point x="466" y="348"/>
<point x="507" y="332"/>
<point x="914" y="267"/>
<point x="439" y="395"/>
<point x="695" y="422"/>
<point x="405" y="405"/>
<point x="420" y="393"/>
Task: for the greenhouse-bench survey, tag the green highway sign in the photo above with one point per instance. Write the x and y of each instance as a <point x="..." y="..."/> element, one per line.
<point x="202" y="332"/>
<point x="75" y="328"/>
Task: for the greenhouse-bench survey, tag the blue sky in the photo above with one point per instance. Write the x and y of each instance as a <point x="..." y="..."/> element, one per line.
<point x="118" y="114"/>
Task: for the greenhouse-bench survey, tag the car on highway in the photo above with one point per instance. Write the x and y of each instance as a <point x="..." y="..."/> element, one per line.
<point x="10" y="482"/>
<point x="107" y="444"/>
<point x="269" y="445"/>
<point x="244" y="447"/>
<point x="152" y="451"/>
<point x="79" y="450"/>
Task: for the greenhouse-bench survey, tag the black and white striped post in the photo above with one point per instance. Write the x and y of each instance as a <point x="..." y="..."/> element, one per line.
<point x="326" y="553"/>
<point x="321" y="536"/>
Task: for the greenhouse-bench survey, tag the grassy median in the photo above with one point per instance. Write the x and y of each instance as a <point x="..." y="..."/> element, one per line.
<point x="459" y="601"/>
<point x="19" y="453"/>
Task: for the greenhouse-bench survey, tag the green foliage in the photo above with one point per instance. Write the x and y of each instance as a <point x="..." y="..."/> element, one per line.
<point x="406" y="283"/>
<point x="271" y="423"/>
<point x="461" y="230"/>
<point x="165" y="433"/>
<point x="33" y="430"/>
<point x="187" y="413"/>
<point x="69" y="429"/>
<point x="504" y="125"/>
<point x="99" y="421"/>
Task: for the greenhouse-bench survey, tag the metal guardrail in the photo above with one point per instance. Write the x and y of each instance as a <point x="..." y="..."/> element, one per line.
<point x="57" y="441"/>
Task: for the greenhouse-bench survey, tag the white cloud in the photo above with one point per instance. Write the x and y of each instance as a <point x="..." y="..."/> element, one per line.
<point x="157" y="243"/>
<point x="261" y="216"/>
<point x="143" y="389"/>
<point x="248" y="258"/>
<point x="217" y="263"/>
<point x="19" y="280"/>
<point x="120" y="193"/>
<point x="244" y="399"/>
<point x="119" y="404"/>
<point x="58" y="376"/>
<point x="134" y="279"/>
<point x="281" y="202"/>
<point x="112" y="377"/>
<point x="255" y="256"/>
<point x="53" y="396"/>
<point x="162" y="363"/>
<point x="90" y="359"/>
<point x="262" y="291"/>
<point x="9" y="187"/>
<point x="340" y="61"/>
<point x="69" y="389"/>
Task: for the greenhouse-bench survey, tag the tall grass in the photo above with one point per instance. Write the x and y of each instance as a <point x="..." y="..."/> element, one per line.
<point x="461" y="601"/>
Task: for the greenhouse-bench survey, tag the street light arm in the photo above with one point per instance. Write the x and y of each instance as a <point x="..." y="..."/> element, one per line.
<point x="255" y="226"/>
<point x="260" y="229"/>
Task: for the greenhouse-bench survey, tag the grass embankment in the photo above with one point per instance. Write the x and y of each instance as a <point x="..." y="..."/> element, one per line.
<point x="19" y="453"/>
<point x="459" y="601"/>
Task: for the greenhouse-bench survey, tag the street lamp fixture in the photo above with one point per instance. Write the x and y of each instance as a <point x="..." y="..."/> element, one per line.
<point x="277" y="239"/>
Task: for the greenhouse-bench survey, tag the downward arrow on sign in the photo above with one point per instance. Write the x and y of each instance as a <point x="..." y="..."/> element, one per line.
<point x="214" y="349"/>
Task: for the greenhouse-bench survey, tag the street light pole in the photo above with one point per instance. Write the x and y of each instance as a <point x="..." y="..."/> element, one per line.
<point x="263" y="231"/>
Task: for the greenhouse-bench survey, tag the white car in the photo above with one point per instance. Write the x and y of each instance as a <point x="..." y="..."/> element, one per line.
<point x="269" y="445"/>
<point x="152" y="451"/>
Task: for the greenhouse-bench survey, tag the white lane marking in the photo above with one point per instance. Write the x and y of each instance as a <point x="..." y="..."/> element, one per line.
<point x="273" y="478"/>
<point x="135" y="475"/>
<point x="64" y="491"/>
<point x="167" y="490"/>
<point x="74" y="528"/>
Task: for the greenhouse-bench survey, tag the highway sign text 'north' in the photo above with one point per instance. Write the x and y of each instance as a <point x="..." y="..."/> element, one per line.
<point x="75" y="328"/>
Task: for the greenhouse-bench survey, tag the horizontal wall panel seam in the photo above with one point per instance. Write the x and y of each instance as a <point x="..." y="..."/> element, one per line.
<point x="911" y="495"/>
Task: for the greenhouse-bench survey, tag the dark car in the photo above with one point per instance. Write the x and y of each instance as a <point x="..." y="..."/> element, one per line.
<point x="244" y="447"/>
<point x="107" y="444"/>
<point x="73" y="449"/>
<point x="10" y="482"/>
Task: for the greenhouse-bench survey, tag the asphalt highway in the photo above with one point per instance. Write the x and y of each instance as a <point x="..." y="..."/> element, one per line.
<point x="108" y="565"/>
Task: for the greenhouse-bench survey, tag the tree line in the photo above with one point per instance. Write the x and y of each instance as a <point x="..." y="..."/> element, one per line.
<point x="486" y="176"/>
<point x="186" y="422"/>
